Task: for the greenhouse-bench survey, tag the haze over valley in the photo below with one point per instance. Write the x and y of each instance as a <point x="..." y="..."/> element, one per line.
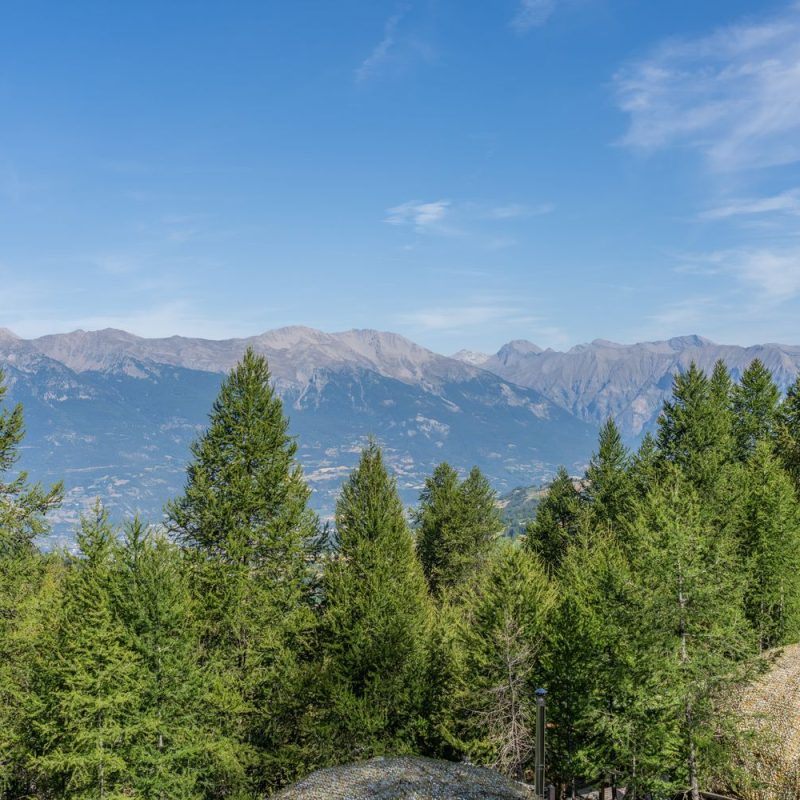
<point x="114" y="414"/>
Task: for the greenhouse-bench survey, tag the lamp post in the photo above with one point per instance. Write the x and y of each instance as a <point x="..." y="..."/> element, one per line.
<point x="538" y="783"/>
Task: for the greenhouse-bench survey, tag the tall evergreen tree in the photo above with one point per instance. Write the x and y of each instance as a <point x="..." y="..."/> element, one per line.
<point x="457" y="522"/>
<point x="601" y="691"/>
<point x="23" y="510"/>
<point x="691" y="429"/>
<point x="608" y="490"/>
<point x="788" y="432"/>
<point x="176" y="750"/>
<point x="502" y="632"/>
<point x="376" y="622"/>
<point x="23" y="506"/>
<point x="90" y="684"/>
<point x="244" y="515"/>
<point x="770" y="544"/>
<point x="556" y="521"/>
<point x="644" y="466"/>
<point x="756" y="399"/>
<point x="700" y="647"/>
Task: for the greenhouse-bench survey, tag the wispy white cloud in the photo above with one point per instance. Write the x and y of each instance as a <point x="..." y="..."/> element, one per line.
<point x="498" y="316"/>
<point x="787" y="203"/>
<point x="382" y="51"/>
<point x="424" y="217"/>
<point x="451" y="218"/>
<point x="455" y="318"/>
<point x="733" y="95"/>
<point x="532" y="14"/>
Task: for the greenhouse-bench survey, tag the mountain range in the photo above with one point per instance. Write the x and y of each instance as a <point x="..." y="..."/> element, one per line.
<point x="113" y="414"/>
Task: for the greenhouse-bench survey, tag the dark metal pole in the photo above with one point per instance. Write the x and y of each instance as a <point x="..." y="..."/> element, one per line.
<point x="540" y="723"/>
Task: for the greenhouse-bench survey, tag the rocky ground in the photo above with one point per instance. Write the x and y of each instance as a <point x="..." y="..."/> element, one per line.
<point x="406" y="779"/>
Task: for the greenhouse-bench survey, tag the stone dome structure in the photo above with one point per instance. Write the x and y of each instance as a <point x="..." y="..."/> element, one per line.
<point x="406" y="778"/>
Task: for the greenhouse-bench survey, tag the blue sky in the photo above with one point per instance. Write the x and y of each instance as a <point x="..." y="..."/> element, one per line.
<point x="460" y="171"/>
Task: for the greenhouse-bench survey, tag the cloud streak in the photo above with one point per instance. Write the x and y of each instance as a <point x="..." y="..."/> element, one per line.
<point x="733" y="95"/>
<point x="532" y="14"/>
<point x="450" y="218"/>
<point x="382" y="51"/>
<point x="787" y="203"/>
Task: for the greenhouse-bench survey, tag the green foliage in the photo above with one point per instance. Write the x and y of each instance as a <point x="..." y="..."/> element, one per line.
<point x="556" y="522"/>
<point x="597" y="680"/>
<point x="177" y="749"/>
<point x="755" y="408"/>
<point x="608" y="490"/>
<point x="87" y="723"/>
<point x="501" y="630"/>
<point x="693" y="426"/>
<point x="226" y="663"/>
<point x="244" y="518"/>
<point x="457" y="522"/>
<point x="788" y="433"/>
<point x="769" y="531"/>
<point x="700" y="645"/>
<point x="375" y="624"/>
<point x="22" y="507"/>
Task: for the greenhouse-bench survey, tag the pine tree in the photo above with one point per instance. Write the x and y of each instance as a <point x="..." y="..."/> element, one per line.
<point x="720" y="390"/>
<point x="788" y="432"/>
<point x="22" y="506"/>
<point x="90" y="680"/>
<point x="23" y="510"/>
<point x="644" y="467"/>
<point x="608" y="490"/>
<point x="176" y="749"/>
<point x="691" y="429"/>
<point x="501" y="630"/>
<point x="697" y="643"/>
<point x="457" y="522"/>
<point x="770" y="544"/>
<point x="755" y="405"/>
<point x="606" y="724"/>
<point x="376" y="622"/>
<point x="244" y="516"/>
<point x="556" y="521"/>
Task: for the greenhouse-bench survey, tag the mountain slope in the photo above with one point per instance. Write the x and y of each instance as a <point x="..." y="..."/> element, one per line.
<point x="628" y="382"/>
<point x="114" y="414"/>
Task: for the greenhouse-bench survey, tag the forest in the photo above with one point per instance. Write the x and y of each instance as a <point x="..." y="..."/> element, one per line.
<point x="240" y="643"/>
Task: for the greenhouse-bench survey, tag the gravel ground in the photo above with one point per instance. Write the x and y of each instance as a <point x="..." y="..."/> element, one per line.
<point x="406" y="779"/>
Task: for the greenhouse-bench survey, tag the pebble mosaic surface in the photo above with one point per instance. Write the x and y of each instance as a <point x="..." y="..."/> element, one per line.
<point x="406" y="779"/>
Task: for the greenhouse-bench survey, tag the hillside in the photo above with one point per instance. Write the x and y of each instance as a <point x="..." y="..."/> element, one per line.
<point x="114" y="414"/>
<point x="627" y="382"/>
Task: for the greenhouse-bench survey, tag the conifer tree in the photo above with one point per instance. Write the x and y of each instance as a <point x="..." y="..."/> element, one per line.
<point x="457" y="522"/>
<point x="770" y="543"/>
<point x="245" y="518"/>
<point x="176" y="750"/>
<point x="501" y="629"/>
<point x="720" y="390"/>
<point x="606" y="725"/>
<point x="90" y="681"/>
<point x="644" y="466"/>
<point x="376" y="622"/>
<point x="690" y="429"/>
<point x="755" y="405"/>
<point x="23" y="509"/>
<point x="22" y="506"/>
<point x="608" y="490"/>
<point x="556" y="521"/>
<point x="788" y="432"/>
<point x="697" y="643"/>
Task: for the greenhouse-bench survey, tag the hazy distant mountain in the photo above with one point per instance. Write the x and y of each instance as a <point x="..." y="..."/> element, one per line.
<point x="628" y="382"/>
<point x="114" y="414"/>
